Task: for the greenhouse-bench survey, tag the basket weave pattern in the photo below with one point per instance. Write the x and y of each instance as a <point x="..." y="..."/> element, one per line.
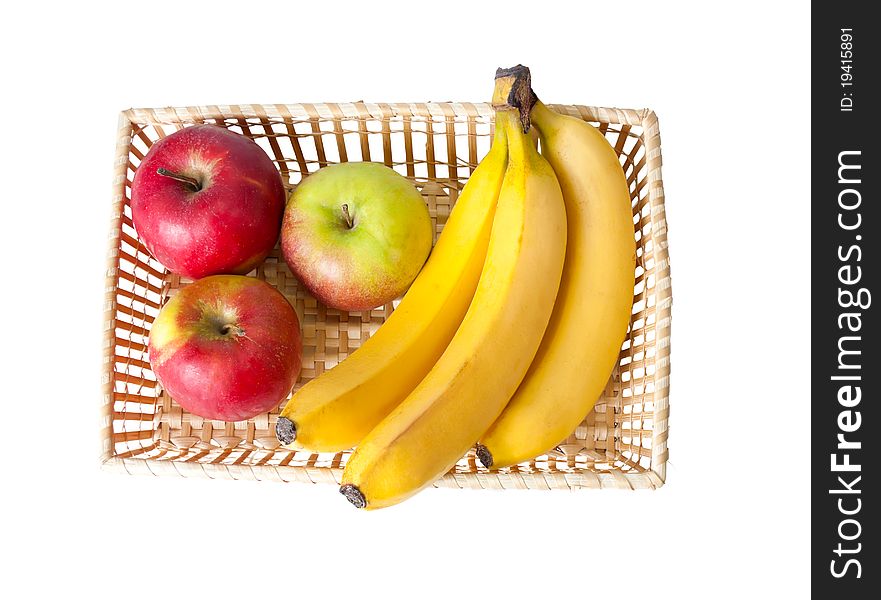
<point x="621" y="443"/>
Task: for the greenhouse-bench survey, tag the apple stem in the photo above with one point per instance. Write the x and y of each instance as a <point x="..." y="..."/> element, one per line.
<point x="234" y="329"/>
<point x="347" y="216"/>
<point x="182" y="178"/>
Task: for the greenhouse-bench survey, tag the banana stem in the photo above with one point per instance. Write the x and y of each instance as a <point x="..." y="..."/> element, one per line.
<point x="513" y="89"/>
<point x="517" y="140"/>
<point x="544" y="117"/>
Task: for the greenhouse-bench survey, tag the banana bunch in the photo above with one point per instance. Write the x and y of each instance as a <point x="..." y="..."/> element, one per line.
<point x="510" y="332"/>
<point x="593" y="307"/>
<point x="488" y="356"/>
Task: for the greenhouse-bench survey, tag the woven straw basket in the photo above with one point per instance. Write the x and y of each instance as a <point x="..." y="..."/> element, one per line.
<point x="622" y="443"/>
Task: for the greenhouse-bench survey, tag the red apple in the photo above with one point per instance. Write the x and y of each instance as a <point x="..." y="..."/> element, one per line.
<point x="206" y="200"/>
<point x="227" y="347"/>
<point x="356" y="235"/>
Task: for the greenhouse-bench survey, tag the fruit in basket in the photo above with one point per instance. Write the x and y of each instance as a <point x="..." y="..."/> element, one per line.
<point x="356" y="235"/>
<point x="337" y="409"/>
<point x="481" y="368"/>
<point x="226" y="347"/>
<point x="206" y="200"/>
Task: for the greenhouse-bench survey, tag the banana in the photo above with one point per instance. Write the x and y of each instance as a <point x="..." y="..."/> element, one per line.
<point x="590" y="318"/>
<point x="334" y="411"/>
<point x="481" y="368"/>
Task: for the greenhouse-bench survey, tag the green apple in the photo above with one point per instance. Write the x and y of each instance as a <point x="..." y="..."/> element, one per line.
<point x="356" y="235"/>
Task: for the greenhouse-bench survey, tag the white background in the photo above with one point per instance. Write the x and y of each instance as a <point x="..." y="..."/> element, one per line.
<point x="730" y="84"/>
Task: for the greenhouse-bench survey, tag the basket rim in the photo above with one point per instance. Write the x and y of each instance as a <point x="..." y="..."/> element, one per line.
<point x="508" y="479"/>
<point x="646" y="118"/>
<point x="352" y="110"/>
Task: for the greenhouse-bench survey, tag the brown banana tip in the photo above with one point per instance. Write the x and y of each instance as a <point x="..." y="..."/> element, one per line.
<point x="484" y="456"/>
<point x="515" y="71"/>
<point x="520" y="96"/>
<point x="285" y="430"/>
<point x="353" y="495"/>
